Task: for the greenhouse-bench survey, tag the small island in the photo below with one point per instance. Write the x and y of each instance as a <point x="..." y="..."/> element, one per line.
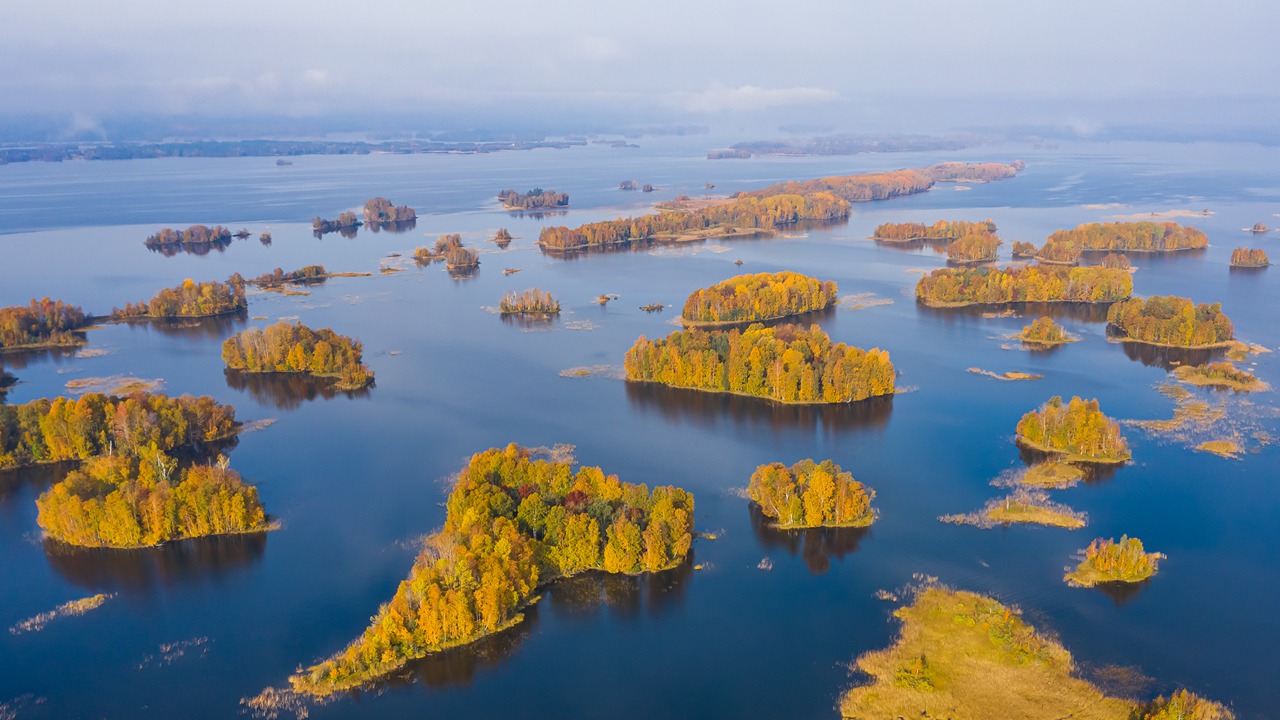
<point x="810" y="494"/>
<point x="941" y="230"/>
<point x="514" y="524"/>
<point x="1170" y="321"/>
<point x="189" y="300"/>
<point x="195" y="236"/>
<point x="786" y="364"/>
<point x="1075" y="431"/>
<point x="41" y="324"/>
<point x="964" y="655"/>
<point x="973" y="249"/>
<point x="529" y="302"/>
<point x="380" y="211"/>
<point x="1259" y="228"/>
<point x="302" y="276"/>
<point x="752" y="298"/>
<point x="1220" y="375"/>
<point x="1024" y="506"/>
<point x="449" y="249"/>
<point x="347" y="220"/>
<point x="1249" y="258"/>
<point x="1023" y="250"/>
<point x="1140" y="237"/>
<point x="535" y="199"/>
<point x="129" y="501"/>
<point x="627" y="185"/>
<point x="295" y="348"/>
<point x="957" y="287"/>
<point x="1044" y="332"/>
<point x="502" y="238"/>
<point x="1108" y="561"/>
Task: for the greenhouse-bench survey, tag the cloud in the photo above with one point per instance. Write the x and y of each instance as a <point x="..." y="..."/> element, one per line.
<point x="751" y="97"/>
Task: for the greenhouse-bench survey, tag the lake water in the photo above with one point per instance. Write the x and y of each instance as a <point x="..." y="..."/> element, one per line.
<point x="356" y="478"/>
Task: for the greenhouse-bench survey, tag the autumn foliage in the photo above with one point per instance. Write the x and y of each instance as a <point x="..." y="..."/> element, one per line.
<point x="1246" y="257"/>
<point x="1106" y="560"/>
<point x="762" y="296"/>
<point x="41" y="322"/>
<point x="513" y="524"/>
<point x="277" y="277"/>
<point x="1035" y="283"/>
<point x="787" y="363"/>
<point x="194" y="235"/>
<point x="535" y="199"/>
<point x="1182" y="705"/>
<point x="295" y="348"/>
<point x="1171" y="320"/>
<point x="1023" y="249"/>
<point x="127" y="501"/>
<point x="1142" y="236"/>
<point x="532" y="301"/>
<point x="46" y="431"/>
<point x="856" y="188"/>
<point x="810" y="494"/>
<point x="1076" y="428"/>
<point x="974" y="248"/>
<point x="1045" y="331"/>
<point x="940" y="230"/>
<point x="190" y="299"/>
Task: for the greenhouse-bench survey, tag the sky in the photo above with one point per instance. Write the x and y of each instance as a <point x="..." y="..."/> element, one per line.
<point x="708" y="61"/>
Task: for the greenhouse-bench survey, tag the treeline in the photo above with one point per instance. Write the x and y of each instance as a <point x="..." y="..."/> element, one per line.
<point x="1145" y="236"/>
<point x="308" y="274"/>
<point x="787" y="363"/>
<point x="744" y="212"/>
<point x="974" y="248"/>
<point x="854" y="188"/>
<point x="940" y="230"/>
<point x="41" y="322"/>
<point x="534" y="199"/>
<point x="1171" y="320"/>
<point x="1077" y="428"/>
<point x="762" y="296"/>
<point x="1246" y="257"/>
<point x="1035" y="283"/>
<point x="190" y="299"/>
<point x="528" y="301"/>
<point x="194" y="235"/>
<point x="810" y="494"/>
<point x="127" y="501"/>
<point x="346" y="220"/>
<point x="47" y="431"/>
<point x="380" y="211"/>
<point x="295" y="348"/>
<point x="974" y="172"/>
<point x="513" y="524"/>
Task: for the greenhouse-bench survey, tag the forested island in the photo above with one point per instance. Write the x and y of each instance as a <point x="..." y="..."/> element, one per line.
<point x="535" y="199"/>
<point x="1108" y="561"/>
<point x="1076" y="431"/>
<point x="189" y="300"/>
<point x="955" y="287"/>
<point x="1171" y="321"/>
<point x="513" y="524"/>
<point x="502" y="238"/>
<point x="347" y="220"/>
<point x="964" y="655"/>
<point x="1220" y="375"/>
<point x="380" y="211"/>
<point x="61" y="429"/>
<point x="1044" y="331"/>
<point x="302" y="276"/>
<point x="529" y="302"/>
<point x="1023" y="250"/>
<point x="295" y="348"/>
<point x="449" y="249"/>
<point x="129" y="501"/>
<point x="786" y="364"/>
<point x="810" y="494"/>
<point x="1249" y="258"/>
<point x="940" y="230"/>
<point x="762" y="296"/>
<point x="41" y="323"/>
<point x="1065" y="246"/>
<point x="195" y="236"/>
<point x="1118" y="261"/>
<point x="973" y="248"/>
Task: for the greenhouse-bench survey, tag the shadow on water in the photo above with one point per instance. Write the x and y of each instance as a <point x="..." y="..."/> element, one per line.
<point x="288" y="391"/>
<point x="1122" y="592"/>
<point x="207" y="328"/>
<point x="39" y="478"/>
<point x="346" y="232"/>
<point x="528" y="321"/>
<point x="148" y="570"/>
<point x="939" y="247"/>
<point x="199" y="249"/>
<point x="710" y="410"/>
<point x="393" y="227"/>
<point x="1079" y="312"/>
<point x="816" y="546"/>
<point x="1094" y="473"/>
<point x="19" y="359"/>
<point x="6" y="381"/>
<point x="1168" y="358"/>
<point x="578" y="597"/>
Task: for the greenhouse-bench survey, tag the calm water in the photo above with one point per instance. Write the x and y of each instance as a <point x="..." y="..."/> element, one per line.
<point x="355" y="478"/>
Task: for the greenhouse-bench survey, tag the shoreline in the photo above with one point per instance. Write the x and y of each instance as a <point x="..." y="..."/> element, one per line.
<point x="730" y="324"/>
<point x="766" y="398"/>
<point x="1225" y="344"/>
<point x="1067" y="456"/>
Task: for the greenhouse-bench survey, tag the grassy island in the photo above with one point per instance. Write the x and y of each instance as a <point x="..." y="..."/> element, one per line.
<point x="1249" y="258"/>
<point x="1023" y="250"/>
<point x="295" y="348"/>
<point x="189" y="300"/>
<point x="535" y="199"/>
<point x="1024" y="506"/>
<point x="62" y="429"/>
<point x="41" y="323"/>
<point x="194" y="236"/>
<point x="514" y="524"/>
<point x="529" y="302"/>
<point x="380" y="211"/>
<point x="1108" y="561"/>
<point x="966" y="656"/>
<point x="128" y="501"/>
<point x="1143" y="237"/>
<point x="1052" y="474"/>
<point x="1074" y="431"/>
<point x="787" y="364"/>
<point x="956" y="287"/>
<point x="751" y="298"/>
<point x="941" y="230"/>
<point x="1044" y="331"/>
<point x="974" y="248"/>
<point x="1220" y="374"/>
<point x="1171" y="321"/>
<point x="810" y="494"/>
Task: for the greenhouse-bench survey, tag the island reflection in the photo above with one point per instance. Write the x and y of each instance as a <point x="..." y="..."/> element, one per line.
<point x="817" y="546"/>
<point x="710" y="409"/>
<point x="288" y="391"/>
<point x="148" y="570"/>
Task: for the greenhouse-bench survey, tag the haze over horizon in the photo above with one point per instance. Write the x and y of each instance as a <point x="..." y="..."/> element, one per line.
<point x="854" y="66"/>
